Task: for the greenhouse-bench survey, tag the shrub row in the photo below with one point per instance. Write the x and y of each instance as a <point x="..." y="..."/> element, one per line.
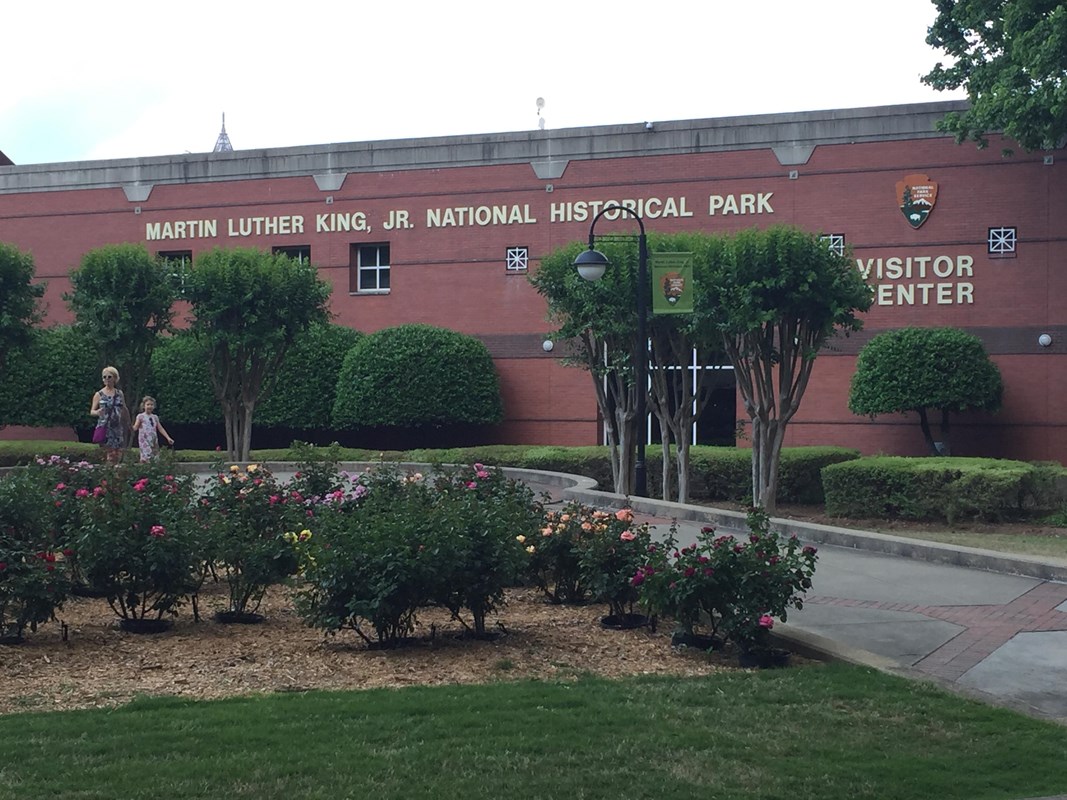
<point x="944" y="489"/>
<point x="365" y="552"/>
<point x="332" y="378"/>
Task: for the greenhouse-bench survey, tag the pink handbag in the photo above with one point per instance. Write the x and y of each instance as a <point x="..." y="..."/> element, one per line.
<point x="99" y="434"/>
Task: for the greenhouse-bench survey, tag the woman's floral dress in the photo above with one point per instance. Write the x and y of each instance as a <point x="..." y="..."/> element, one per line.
<point x="111" y="418"/>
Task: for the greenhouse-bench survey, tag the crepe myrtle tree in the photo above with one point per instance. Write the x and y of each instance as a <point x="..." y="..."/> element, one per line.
<point x="600" y="320"/>
<point x="678" y="393"/>
<point x="122" y="299"/>
<point x="248" y="307"/>
<point x="923" y="369"/>
<point x="19" y="297"/>
<point x="776" y="296"/>
<point x="1011" y="57"/>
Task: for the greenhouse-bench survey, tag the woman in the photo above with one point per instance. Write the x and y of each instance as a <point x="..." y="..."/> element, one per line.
<point x="112" y="416"/>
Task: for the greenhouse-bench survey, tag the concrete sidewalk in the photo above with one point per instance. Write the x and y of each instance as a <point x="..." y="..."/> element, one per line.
<point x="984" y="623"/>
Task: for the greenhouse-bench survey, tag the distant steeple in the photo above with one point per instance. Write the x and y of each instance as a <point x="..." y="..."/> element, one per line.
<point x="222" y="144"/>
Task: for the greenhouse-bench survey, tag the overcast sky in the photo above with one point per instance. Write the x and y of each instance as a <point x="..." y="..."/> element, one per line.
<point x="121" y="79"/>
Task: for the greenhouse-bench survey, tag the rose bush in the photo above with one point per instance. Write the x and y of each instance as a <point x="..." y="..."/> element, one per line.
<point x="690" y="584"/>
<point x="242" y="513"/>
<point x="611" y="553"/>
<point x="555" y="565"/>
<point x="488" y="514"/>
<point x="734" y="587"/>
<point x="137" y="540"/>
<point x="34" y="565"/>
<point x="371" y="567"/>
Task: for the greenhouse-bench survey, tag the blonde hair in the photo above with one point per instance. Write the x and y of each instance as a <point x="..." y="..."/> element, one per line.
<point x="112" y="371"/>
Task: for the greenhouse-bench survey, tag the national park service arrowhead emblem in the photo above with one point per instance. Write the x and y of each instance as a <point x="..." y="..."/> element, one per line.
<point x="916" y="195"/>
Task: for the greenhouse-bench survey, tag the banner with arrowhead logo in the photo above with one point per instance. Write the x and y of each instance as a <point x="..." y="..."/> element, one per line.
<point x="672" y="283"/>
<point x="916" y="195"/>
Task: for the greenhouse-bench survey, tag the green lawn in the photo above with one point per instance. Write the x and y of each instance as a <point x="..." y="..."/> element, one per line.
<point x="821" y="731"/>
<point x="1018" y="544"/>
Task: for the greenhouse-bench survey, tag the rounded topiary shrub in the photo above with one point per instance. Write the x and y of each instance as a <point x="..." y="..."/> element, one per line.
<point x="303" y="392"/>
<point x="415" y="376"/>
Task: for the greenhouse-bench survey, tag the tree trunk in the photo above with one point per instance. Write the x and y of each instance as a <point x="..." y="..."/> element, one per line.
<point x="924" y="423"/>
<point x="683" y="458"/>
<point x="665" y="461"/>
<point x="946" y="449"/>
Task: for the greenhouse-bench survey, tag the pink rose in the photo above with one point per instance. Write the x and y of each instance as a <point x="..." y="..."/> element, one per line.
<point x="158" y="531"/>
<point x="766" y="621"/>
<point x="627" y="536"/>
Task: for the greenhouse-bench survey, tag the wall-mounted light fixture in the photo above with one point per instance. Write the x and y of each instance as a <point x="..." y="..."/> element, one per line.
<point x="1044" y="340"/>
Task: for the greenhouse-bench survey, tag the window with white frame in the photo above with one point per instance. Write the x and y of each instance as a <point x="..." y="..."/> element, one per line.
<point x="836" y="242"/>
<point x="300" y="253"/>
<point x="369" y="268"/>
<point x="517" y="259"/>
<point x="1002" y="241"/>
<point x="177" y="264"/>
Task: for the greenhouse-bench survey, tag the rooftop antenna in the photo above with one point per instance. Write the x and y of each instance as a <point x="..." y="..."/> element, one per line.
<point x="222" y="144"/>
<point x="540" y="119"/>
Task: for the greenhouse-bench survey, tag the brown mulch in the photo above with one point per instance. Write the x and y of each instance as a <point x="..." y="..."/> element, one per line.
<point x="100" y="665"/>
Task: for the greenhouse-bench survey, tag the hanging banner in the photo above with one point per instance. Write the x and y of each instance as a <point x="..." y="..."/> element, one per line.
<point x="672" y="283"/>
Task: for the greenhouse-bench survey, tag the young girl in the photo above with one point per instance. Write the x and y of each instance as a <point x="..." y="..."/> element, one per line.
<point x="146" y="425"/>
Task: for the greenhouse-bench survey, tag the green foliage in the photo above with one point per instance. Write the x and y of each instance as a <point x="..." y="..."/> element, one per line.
<point x="736" y="586"/>
<point x="610" y="552"/>
<point x="19" y="297"/>
<point x="489" y="556"/>
<point x="242" y="511"/>
<point x="391" y="544"/>
<point x="303" y="395"/>
<point x="415" y="375"/>
<point x="56" y="378"/>
<point x="135" y="538"/>
<point x="180" y="381"/>
<point x="1012" y="59"/>
<point x="780" y="279"/>
<point x="377" y="564"/>
<point x="34" y="570"/>
<point x="687" y="584"/>
<point x="777" y="295"/>
<point x="767" y="575"/>
<point x="122" y="298"/>
<point x="914" y="368"/>
<point x="554" y="565"/>
<point x="593" y="462"/>
<point x="317" y="469"/>
<point x="248" y="308"/>
<point x="935" y="488"/>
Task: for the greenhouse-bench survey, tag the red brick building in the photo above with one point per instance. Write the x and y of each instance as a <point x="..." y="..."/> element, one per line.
<point x="444" y="230"/>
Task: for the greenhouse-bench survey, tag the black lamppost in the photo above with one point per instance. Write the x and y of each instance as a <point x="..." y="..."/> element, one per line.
<point x="591" y="265"/>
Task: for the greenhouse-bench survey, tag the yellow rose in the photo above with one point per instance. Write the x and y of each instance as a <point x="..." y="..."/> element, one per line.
<point x="252" y="468"/>
<point x="234" y="468"/>
<point x="305" y="535"/>
<point x="520" y="538"/>
<point x="530" y="549"/>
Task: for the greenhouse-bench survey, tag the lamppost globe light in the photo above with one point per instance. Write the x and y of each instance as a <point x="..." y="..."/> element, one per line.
<point x="591" y="264"/>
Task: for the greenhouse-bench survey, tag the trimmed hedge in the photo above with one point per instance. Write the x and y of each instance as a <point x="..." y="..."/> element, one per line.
<point x="414" y="376"/>
<point x="304" y="393"/>
<point x="946" y="489"/>
<point x="56" y="377"/>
